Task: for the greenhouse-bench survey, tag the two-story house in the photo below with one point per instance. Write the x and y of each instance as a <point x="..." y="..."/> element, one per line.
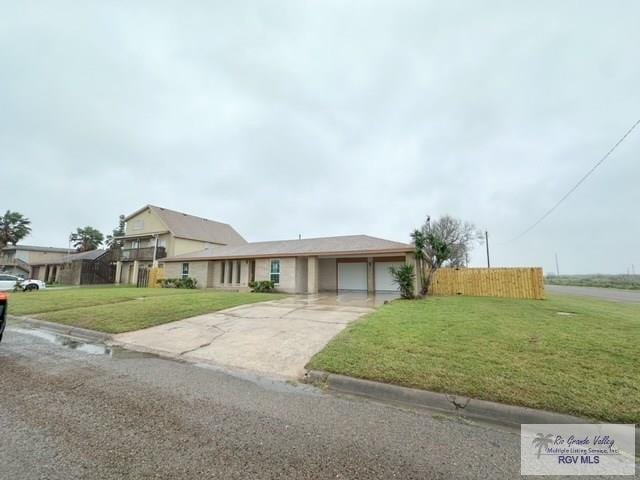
<point x="31" y="261"/>
<point x="153" y="233"/>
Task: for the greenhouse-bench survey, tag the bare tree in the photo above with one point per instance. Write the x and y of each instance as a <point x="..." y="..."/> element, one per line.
<point x="444" y="242"/>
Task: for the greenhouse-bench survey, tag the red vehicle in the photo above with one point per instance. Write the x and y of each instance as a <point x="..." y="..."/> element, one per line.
<point x="4" y="299"/>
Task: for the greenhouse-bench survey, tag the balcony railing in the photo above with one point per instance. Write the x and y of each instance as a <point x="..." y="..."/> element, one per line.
<point x="145" y="253"/>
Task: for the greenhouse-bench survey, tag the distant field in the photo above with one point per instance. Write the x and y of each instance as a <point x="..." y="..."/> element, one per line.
<point x="629" y="282"/>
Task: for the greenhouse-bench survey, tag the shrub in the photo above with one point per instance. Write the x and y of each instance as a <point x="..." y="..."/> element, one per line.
<point x="178" y="282"/>
<point x="262" y="286"/>
<point x="404" y="277"/>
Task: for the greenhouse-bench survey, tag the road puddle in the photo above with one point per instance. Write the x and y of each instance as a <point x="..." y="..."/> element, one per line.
<point x="73" y="343"/>
<point x="278" y="384"/>
<point x="64" y="341"/>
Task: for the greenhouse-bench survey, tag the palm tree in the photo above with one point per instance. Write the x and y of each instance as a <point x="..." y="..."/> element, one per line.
<point x="420" y="242"/>
<point x="542" y="441"/>
<point x="13" y="227"/>
<point x="85" y="239"/>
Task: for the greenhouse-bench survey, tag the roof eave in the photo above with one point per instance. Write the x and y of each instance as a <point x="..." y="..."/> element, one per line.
<point x="358" y="253"/>
<point x="137" y="212"/>
<point x="186" y="237"/>
<point x="140" y="235"/>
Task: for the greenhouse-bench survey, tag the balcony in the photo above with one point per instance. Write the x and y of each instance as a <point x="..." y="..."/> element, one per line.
<point x="7" y="261"/>
<point x="144" y="254"/>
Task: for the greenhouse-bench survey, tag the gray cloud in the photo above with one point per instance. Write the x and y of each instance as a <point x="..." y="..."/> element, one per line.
<point x="325" y="118"/>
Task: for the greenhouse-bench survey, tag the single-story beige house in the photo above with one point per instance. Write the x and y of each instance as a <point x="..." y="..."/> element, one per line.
<point x="344" y="263"/>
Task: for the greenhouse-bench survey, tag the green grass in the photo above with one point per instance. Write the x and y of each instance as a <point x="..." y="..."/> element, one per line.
<point x="518" y="352"/>
<point x="629" y="282"/>
<point x="117" y="310"/>
<point x="28" y="303"/>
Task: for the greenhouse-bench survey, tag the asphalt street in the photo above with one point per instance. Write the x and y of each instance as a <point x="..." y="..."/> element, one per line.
<point x="80" y="411"/>
<point x="613" y="294"/>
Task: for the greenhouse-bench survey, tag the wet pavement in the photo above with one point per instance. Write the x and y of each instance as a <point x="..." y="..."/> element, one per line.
<point x="276" y="338"/>
<point x="612" y="294"/>
<point x="69" y="410"/>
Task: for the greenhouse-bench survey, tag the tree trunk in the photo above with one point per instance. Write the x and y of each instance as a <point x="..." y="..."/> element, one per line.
<point x="427" y="284"/>
<point x="423" y="277"/>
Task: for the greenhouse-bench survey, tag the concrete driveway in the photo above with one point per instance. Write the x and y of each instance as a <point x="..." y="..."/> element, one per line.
<point x="276" y="338"/>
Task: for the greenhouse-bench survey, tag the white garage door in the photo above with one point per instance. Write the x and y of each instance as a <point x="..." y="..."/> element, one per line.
<point x="352" y="276"/>
<point x="384" y="280"/>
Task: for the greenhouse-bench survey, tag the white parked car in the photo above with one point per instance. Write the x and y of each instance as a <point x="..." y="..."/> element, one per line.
<point x="9" y="282"/>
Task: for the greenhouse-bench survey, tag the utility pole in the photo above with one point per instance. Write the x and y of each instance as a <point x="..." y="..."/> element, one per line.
<point x="155" y="252"/>
<point x="557" y="267"/>
<point x="486" y="241"/>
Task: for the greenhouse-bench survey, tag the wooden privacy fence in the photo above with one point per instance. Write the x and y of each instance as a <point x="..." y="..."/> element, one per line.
<point x="489" y="282"/>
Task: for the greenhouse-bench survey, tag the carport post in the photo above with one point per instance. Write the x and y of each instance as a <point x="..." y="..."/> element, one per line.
<point x="118" y="271"/>
<point x="136" y="267"/>
<point x="312" y="275"/>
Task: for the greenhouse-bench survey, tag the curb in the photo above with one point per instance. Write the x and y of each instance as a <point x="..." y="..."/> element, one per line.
<point x="61" y="329"/>
<point x="493" y="412"/>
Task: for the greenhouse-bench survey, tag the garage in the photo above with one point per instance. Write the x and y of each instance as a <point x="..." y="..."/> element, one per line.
<point x="352" y="276"/>
<point x="383" y="278"/>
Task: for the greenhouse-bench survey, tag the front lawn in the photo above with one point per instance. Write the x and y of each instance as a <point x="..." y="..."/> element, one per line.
<point x="565" y="354"/>
<point x="51" y="300"/>
<point x="122" y="309"/>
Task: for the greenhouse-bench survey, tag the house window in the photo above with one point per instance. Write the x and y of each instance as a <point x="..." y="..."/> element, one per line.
<point x="185" y="270"/>
<point x="231" y="272"/>
<point x="222" y="269"/>
<point x="275" y="271"/>
<point x="238" y="271"/>
<point x="137" y="225"/>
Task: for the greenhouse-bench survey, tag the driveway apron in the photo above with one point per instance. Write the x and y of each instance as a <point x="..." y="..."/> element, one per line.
<point x="276" y="338"/>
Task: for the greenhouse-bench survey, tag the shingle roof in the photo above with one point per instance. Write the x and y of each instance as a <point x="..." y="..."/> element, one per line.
<point x="90" y="255"/>
<point x="33" y="248"/>
<point x="190" y="227"/>
<point x="344" y="245"/>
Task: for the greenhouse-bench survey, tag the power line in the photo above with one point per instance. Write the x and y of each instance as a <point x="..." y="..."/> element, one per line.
<point x="575" y="187"/>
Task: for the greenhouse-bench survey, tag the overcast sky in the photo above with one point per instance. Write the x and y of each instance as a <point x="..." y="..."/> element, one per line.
<point x="326" y="118"/>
